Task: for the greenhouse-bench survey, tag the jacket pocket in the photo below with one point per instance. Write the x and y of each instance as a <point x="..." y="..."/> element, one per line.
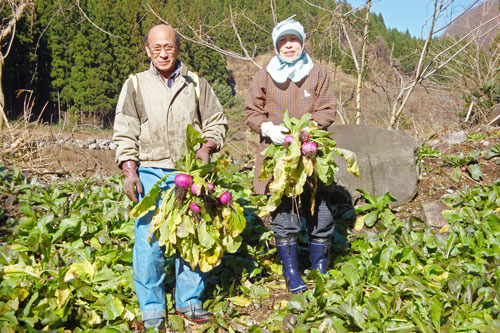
<point x="145" y="142"/>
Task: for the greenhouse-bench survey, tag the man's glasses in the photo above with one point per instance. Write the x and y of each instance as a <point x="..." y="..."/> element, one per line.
<point x="156" y="49"/>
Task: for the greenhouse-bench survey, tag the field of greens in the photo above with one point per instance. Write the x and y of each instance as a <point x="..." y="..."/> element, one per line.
<point x="66" y="257"/>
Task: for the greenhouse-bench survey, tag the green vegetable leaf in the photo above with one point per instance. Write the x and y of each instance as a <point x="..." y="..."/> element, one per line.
<point x="149" y="201"/>
<point x="351" y="274"/>
<point x="240" y="301"/>
<point x="354" y="315"/>
<point x="436" y="313"/>
<point x="475" y="171"/>
<point x="456" y="174"/>
<point x="371" y="218"/>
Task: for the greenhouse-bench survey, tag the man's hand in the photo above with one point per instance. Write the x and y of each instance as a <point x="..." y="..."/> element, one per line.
<point x="204" y="152"/>
<point x="274" y="132"/>
<point x="132" y="181"/>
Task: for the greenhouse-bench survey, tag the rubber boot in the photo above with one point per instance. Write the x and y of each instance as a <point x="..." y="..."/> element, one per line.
<point x="319" y="249"/>
<point x="158" y="323"/>
<point x="195" y="313"/>
<point x="287" y="250"/>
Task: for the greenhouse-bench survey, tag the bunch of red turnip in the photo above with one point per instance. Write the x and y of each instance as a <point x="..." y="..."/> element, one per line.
<point x="308" y="148"/>
<point x="187" y="189"/>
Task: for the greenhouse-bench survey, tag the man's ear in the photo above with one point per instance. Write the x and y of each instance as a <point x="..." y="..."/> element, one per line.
<point x="148" y="51"/>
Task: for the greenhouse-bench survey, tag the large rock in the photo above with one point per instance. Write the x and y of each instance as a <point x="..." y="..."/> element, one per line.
<point x="448" y="141"/>
<point x="387" y="161"/>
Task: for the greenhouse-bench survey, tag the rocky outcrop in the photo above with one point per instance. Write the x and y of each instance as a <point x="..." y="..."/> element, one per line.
<point x="387" y="161"/>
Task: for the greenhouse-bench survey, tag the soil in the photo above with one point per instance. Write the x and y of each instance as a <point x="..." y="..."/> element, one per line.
<point x="435" y="181"/>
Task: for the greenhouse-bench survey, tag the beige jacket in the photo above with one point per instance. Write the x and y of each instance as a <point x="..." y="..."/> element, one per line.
<point x="151" y="119"/>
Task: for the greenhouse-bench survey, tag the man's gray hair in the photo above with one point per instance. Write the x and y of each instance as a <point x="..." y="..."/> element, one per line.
<point x="177" y="38"/>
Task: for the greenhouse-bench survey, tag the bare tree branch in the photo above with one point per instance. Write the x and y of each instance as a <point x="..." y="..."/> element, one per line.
<point x="273" y="11"/>
<point x="361" y="70"/>
<point x="467" y="9"/>
<point x="17" y="12"/>
<point x="424" y="72"/>
<point x="202" y="41"/>
<point x="239" y="38"/>
<point x="95" y="25"/>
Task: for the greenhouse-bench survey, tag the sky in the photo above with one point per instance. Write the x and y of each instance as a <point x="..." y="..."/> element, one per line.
<point x="411" y="14"/>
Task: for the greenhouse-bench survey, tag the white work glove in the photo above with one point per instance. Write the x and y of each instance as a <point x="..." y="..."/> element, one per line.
<point x="274" y="132"/>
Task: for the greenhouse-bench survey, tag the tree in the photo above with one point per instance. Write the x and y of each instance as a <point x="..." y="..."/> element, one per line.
<point x="427" y="67"/>
<point x="11" y="12"/>
<point x="350" y="38"/>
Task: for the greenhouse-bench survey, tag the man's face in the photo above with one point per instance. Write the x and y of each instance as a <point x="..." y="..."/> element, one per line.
<point x="289" y="47"/>
<point x="162" y="50"/>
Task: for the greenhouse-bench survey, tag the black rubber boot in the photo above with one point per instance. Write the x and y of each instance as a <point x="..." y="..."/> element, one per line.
<point x="319" y="249"/>
<point x="287" y="250"/>
<point x="158" y="323"/>
<point x="195" y="313"/>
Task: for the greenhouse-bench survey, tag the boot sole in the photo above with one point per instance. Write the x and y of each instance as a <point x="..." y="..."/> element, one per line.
<point x="297" y="290"/>
<point x="199" y="321"/>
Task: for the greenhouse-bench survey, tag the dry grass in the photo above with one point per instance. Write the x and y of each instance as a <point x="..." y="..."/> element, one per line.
<point x="21" y="147"/>
<point x="44" y="150"/>
<point x="36" y="148"/>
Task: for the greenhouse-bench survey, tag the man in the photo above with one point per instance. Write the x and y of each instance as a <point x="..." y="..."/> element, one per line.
<point x="152" y="114"/>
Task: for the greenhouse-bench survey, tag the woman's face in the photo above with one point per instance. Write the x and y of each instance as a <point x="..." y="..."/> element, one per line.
<point x="289" y="47"/>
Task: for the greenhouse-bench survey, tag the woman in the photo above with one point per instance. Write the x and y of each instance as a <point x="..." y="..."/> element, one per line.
<point x="292" y="82"/>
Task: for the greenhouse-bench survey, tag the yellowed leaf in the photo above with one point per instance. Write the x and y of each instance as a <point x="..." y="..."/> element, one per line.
<point x="62" y="297"/>
<point x="240" y="301"/>
<point x="444" y="229"/>
<point x="360" y="223"/>
<point x="440" y="277"/>
<point x="94" y="318"/>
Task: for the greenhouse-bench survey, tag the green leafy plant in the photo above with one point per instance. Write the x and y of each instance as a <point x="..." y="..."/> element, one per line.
<point x="66" y="263"/>
<point x="306" y="157"/>
<point x="376" y="209"/>
<point x="197" y="216"/>
<point x="464" y="163"/>
<point x="475" y="136"/>
<point x="427" y="151"/>
<point x="492" y="152"/>
<point x="66" y="253"/>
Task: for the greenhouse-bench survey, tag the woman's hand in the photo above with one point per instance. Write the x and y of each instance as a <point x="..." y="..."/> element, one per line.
<point x="274" y="132"/>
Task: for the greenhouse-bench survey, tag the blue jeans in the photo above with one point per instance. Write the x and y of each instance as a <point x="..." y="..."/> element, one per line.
<point x="148" y="262"/>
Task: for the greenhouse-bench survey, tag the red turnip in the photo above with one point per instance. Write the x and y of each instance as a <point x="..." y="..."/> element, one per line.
<point x="183" y="180"/>
<point x="225" y="198"/>
<point x="194" y="207"/>
<point x="210" y="187"/>
<point x="303" y="136"/>
<point x="196" y="189"/>
<point x="463" y="168"/>
<point x="288" y="139"/>
<point x="309" y="149"/>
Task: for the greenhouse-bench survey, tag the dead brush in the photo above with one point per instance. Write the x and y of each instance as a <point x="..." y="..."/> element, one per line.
<point x="22" y="142"/>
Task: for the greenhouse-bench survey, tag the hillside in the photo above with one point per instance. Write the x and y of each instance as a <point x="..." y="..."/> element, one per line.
<point x="488" y="14"/>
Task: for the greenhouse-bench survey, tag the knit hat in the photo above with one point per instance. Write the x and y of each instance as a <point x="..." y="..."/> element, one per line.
<point x="288" y="26"/>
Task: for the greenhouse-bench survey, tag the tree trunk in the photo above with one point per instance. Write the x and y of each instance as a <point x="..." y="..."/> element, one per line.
<point x="361" y="71"/>
<point x="3" y="117"/>
<point x="5" y="31"/>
